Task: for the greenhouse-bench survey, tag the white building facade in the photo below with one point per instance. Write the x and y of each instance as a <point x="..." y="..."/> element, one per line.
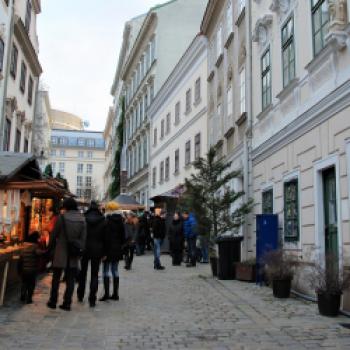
<point x="21" y="72"/>
<point x="79" y="156"/>
<point x="179" y="122"/>
<point x="166" y="32"/>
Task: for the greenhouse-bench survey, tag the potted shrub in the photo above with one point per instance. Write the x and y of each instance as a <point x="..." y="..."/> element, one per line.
<point x="329" y="284"/>
<point x="279" y="268"/>
<point x="246" y="270"/>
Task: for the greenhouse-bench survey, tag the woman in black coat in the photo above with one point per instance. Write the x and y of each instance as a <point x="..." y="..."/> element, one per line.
<point x="176" y="239"/>
<point x="113" y="252"/>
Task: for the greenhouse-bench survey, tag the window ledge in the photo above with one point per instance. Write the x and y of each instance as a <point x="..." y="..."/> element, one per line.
<point x="229" y="132"/>
<point x="240" y="17"/>
<point x="229" y="40"/>
<point x="242" y="118"/>
<point x="188" y="112"/>
<point x="196" y="103"/>
<point x="265" y="112"/>
<point x="288" y="89"/>
<point x="210" y="76"/>
<point x="219" y="60"/>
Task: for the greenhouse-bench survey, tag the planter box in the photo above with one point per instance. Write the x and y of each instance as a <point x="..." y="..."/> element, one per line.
<point x="245" y="272"/>
<point x="328" y="304"/>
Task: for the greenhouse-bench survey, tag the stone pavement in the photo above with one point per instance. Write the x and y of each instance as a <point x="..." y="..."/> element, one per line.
<point x="176" y="309"/>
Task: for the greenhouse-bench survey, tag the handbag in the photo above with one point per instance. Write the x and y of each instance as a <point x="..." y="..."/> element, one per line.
<point x="73" y="248"/>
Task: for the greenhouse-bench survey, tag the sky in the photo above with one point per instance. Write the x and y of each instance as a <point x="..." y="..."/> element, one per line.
<point x="79" y="49"/>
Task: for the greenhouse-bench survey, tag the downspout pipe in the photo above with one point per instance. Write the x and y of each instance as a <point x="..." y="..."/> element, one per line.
<point x="6" y="71"/>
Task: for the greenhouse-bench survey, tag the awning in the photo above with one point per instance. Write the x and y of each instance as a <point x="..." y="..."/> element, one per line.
<point x="175" y="193"/>
<point x="127" y="202"/>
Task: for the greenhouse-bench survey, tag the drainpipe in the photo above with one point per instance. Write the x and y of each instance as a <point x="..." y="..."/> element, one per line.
<point x="248" y="132"/>
<point x="7" y="63"/>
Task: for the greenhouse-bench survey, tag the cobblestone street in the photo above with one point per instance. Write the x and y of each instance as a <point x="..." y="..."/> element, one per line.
<point x="176" y="309"/>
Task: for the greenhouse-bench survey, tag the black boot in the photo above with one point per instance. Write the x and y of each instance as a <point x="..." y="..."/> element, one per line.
<point x="115" y="295"/>
<point x="106" y="285"/>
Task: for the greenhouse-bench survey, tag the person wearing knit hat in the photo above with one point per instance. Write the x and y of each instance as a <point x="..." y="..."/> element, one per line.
<point x="115" y="239"/>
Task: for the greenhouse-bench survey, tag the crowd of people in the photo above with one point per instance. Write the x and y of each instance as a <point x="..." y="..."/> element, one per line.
<point x="105" y="236"/>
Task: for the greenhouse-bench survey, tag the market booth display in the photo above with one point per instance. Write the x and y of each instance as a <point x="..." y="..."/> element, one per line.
<point x="126" y="203"/>
<point x="24" y="200"/>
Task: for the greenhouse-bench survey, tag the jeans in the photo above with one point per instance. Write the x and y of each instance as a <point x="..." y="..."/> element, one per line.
<point x="191" y="247"/>
<point x="129" y="255"/>
<point x="28" y="286"/>
<point x="157" y="244"/>
<point x="205" y="253"/>
<point x="70" y="274"/>
<point x="111" y="266"/>
<point x="95" y="266"/>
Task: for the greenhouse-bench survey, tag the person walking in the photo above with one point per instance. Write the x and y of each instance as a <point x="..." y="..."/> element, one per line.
<point x="159" y="230"/>
<point x="190" y="232"/>
<point x="67" y="240"/>
<point x="143" y="233"/>
<point x="131" y="237"/>
<point x="176" y="239"/>
<point x="113" y="252"/>
<point x="95" y="245"/>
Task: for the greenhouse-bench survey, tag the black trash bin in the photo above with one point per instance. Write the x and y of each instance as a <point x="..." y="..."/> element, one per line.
<point x="229" y="254"/>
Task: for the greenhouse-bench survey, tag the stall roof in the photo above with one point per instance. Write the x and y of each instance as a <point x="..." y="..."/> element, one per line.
<point x="128" y="202"/>
<point x="18" y="166"/>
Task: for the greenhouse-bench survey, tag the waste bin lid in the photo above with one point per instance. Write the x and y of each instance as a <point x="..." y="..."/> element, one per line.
<point x="223" y="238"/>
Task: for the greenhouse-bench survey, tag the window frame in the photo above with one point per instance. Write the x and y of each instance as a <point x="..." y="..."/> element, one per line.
<point x="167" y="168"/>
<point x="2" y="54"/>
<point x="242" y="91"/>
<point x="28" y="17"/>
<point x="22" y="81"/>
<point x="264" y="207"/>
<point x="267" y="72"/>
<point x="161" y="172"/>
<point x="197" y="146"/>
<point x="14" y="61"/>
<point x="188" y="100"/>
<point x="286" y="45"/>
<point x="177" y="112"/>
<point x="7" y="134"/>
<point x="188" y="153"/>
<point x="177" y="161"/>
<point x="314" y="9"/>
<point x="197" y="91"/>
<point x="30" y="90"/>
<point x="288" y="182"/>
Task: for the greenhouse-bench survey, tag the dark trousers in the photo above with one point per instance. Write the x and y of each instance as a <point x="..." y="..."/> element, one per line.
<point x="70" y="274"/>
<point x="129" y="255"/>
<point x="28" y="286"/>
<point x="192" y="250"/>
<point x="94" y="268"/>
<point x="177" y="257"/>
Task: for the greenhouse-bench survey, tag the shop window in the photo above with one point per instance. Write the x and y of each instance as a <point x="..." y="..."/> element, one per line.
<point x="291" y="211"/>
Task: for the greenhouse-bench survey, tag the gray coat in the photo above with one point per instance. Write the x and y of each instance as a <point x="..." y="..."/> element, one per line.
<point x="76" y="231"/>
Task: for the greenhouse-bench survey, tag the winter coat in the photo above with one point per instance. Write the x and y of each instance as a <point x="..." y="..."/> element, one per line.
<point x="115" y="238"/>
<point x="130" y="232"/>
<point x="29" y="259"/>
<point x="159" y="228"/>
<point x="176" y="235"/>
<point x="190" y="227"/>
<point x="96" y="234"/>
<point x="143" y="230"/>
<point x="75" y="231"/>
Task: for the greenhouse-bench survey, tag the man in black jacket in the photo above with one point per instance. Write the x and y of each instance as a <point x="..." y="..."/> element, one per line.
<point x="159" y="229"/>
<point x="95" y="245"/>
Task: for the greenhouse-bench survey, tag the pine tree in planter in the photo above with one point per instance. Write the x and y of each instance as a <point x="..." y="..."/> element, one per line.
<point x="209" y="196"/>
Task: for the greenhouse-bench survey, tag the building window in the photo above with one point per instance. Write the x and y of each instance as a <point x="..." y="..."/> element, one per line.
<point x="79" y="181"/>
<point x="153" y="49"/>
<point x="145" y="151"/>
<point x="53" y="153"/>
<point x="229" y="99"/>
<point x="63" y="141"/>
<point x="53" y="165"/>
<point x="219" y="42"/>
<point x="88" y="194"/>
<point x="197" y="91"/>
<point x="30" y="91"/>
<point x="188" y="101"/>
<point x="242" y="91"/>
<point x="288" y="52"/>
<point x="188" y="153"/>
<point x="177" y="113"/>
<point x="81" y="142"/>
<point x="26" y="146"/>
<point x="61" y="167"/>
<point x="266" y="79"/>
<point x="152" y="92"/>
<point x="267" y="201"/>
<point x="89" y="168"/>
<point x="320" y="24"/>
<point x="54" y="140"/>
<point x="155" y="137"/>
<point x="28" y="15"/>
<point x="291" y="211"/>
<point x="161" y="175"/>
<point x="168" y="123"/>
<point x="89" y="155"/>
<point x="90" y="143"/>
<point x="140" y="165"/>
<point x="145" y="105"/>
<point x="2" y="51"/>
<point x="229" y="19"/>
<point x="18" y="141"/>
<point x="7" y="135"/>
<point x="88" y="181"/>
<point x="167" y="168"/>
<point x="197" y="146"/>
<point x="14" y="59"/>
<point x="80" y="154"/>
<point x="62" y="153"/>
<point x="177" y="161"/>
<point x="80" y="193"/>
<point x="80" y="168"/>
<point x="162" y="127"/>
<point x="154" y="177"/>
<point x="22" y="84"/>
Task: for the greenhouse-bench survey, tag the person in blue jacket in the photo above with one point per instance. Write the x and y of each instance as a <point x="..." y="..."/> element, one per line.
<point x="190" y="232"/>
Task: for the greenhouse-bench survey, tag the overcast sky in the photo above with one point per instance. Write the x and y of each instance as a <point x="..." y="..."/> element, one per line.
<point x="79" y="50"/>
